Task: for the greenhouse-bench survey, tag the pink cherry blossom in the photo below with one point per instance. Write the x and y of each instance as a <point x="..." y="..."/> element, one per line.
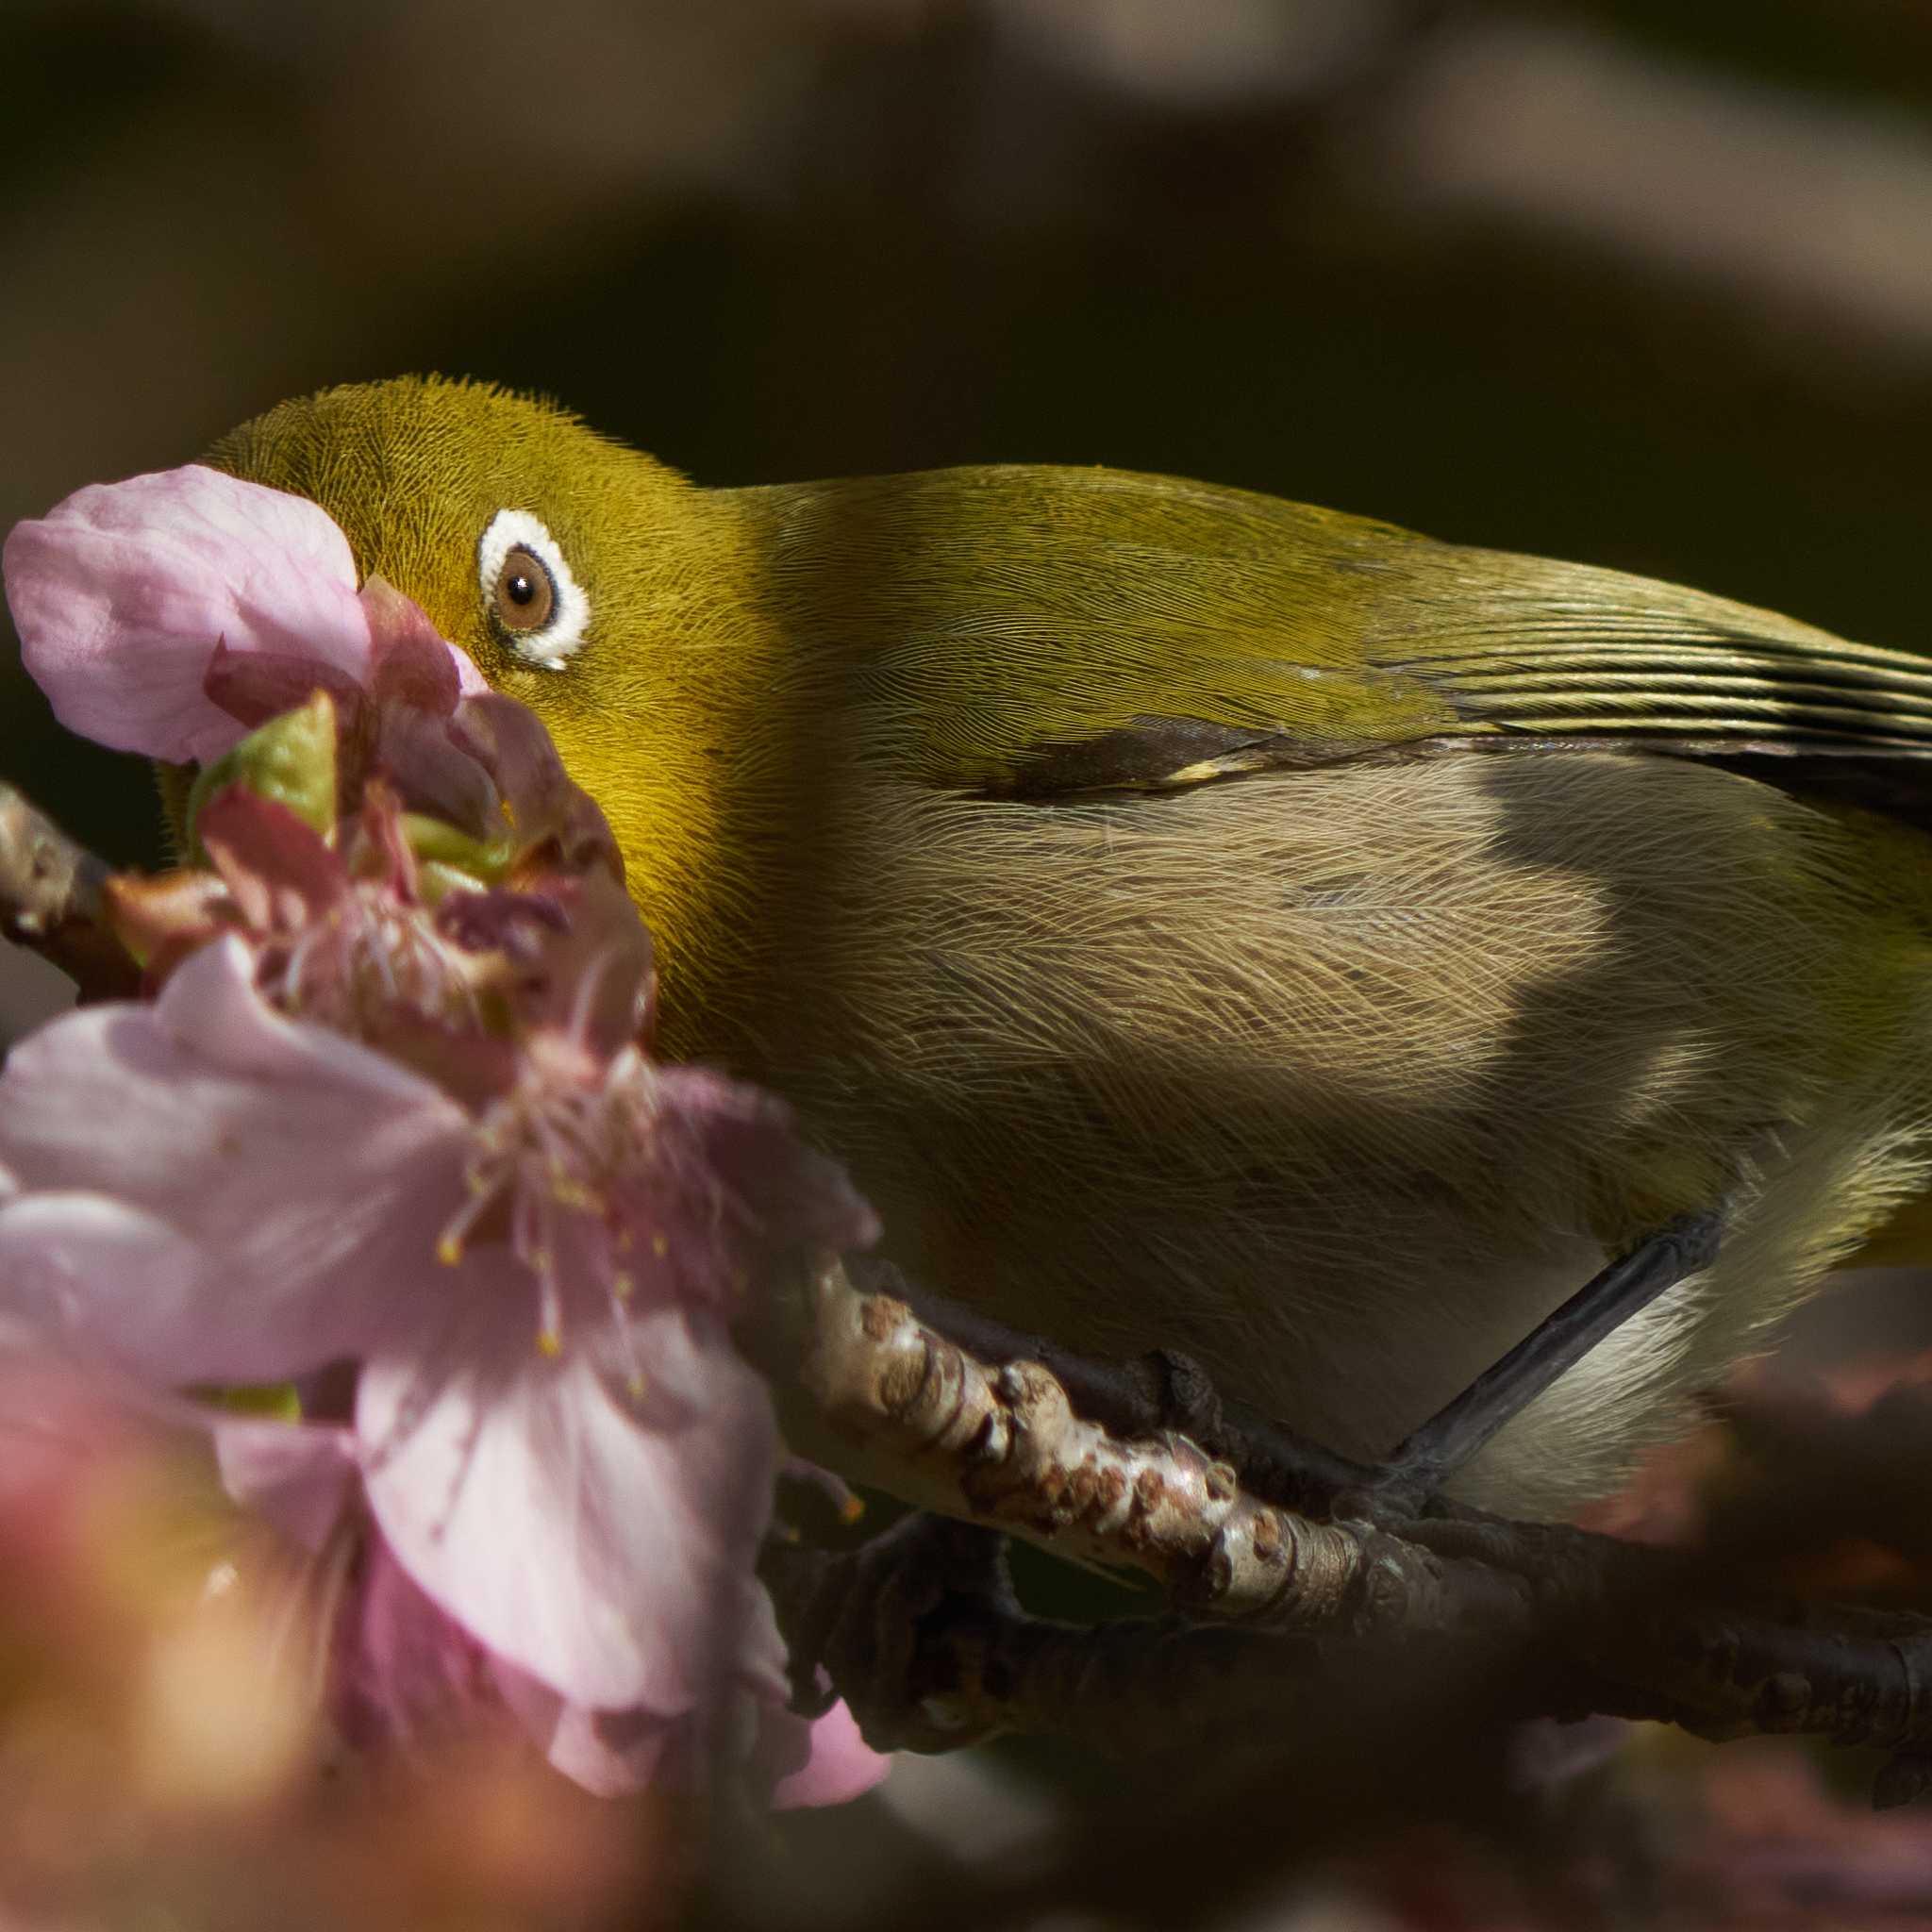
<point x="573" y="1462"/>
<point x="123" y="594"/>
<point x="398" y="1139"/>
<point x="405" y="1674"/>
<point x="170" y="614"/>
<point x="839" y="1765"/>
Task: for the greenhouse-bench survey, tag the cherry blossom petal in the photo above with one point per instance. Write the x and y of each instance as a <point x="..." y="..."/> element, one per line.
<point x="122" y="592"/>
<point x="278" y="869"/>
<point x="596" y="963"/>
<point x="607" y="1752"/>
<point x="841" y="1765"/>
<point x="308" y="1174"/>
<point x="251" y="687"/>
<point x="404" y="1672"/>
<point x="300" y="1476"/>
<point x="65" y="1253"/>
<point x="410" y="661"/>
<point x="407" y="1673"/>
<point x="750" y="1139"/>
<point x="419" y="751"/>
<point x="509" y="741"/>
<point x="600" y="1540"/>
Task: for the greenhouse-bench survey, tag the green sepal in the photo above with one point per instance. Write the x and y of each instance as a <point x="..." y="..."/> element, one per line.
<point x="453" y="859"/>
<point x="276" y="1402"/>
<point x="291" y="760"/>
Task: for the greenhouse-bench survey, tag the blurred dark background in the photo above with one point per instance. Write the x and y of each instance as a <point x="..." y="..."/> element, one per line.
<point x="1639" y="282"/>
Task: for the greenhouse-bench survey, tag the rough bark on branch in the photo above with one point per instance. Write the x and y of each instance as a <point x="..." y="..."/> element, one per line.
<point x="1001" y="1444"/>
<point x="920" y="1632"/>
<point x="51" y="902"/>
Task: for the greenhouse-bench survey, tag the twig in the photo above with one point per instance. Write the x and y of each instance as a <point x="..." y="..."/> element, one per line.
<point x="50" y="901"/>
<point x="1161" y="1392"/>
<point x="922" y="1635"/>
<point x="1001" y="1444"/>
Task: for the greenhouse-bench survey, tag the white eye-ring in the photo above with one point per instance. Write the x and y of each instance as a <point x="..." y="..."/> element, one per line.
<point x="536" y="607"/>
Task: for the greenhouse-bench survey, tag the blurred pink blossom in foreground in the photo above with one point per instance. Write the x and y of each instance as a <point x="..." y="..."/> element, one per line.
<point x="160" y="1743"/>
<point x="386" y="1134"/>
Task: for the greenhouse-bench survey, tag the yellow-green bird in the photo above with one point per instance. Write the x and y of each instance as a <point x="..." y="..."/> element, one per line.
<point x="1208" y="922"/>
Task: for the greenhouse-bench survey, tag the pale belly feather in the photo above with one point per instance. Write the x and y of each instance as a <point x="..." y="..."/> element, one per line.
<point x="1340" y="1080"/>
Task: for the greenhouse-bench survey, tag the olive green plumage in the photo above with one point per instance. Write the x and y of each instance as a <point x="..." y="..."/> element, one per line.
<point x="1207" y="921"/>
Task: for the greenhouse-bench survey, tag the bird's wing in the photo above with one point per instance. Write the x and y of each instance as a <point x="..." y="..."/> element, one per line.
<point x="1565" y="651"/>
<point x="1046" y="632"/>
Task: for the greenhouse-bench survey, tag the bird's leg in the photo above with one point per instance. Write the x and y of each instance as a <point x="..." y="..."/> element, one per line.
<point x="1430" y="1454"/>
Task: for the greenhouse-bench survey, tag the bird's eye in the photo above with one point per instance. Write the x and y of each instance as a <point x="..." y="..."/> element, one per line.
<point x="524" y="595"/>
<point x="533" y="602"/>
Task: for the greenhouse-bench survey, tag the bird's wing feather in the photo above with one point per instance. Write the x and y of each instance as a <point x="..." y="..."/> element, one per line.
<point x="1046" y="632"/>
<point x="1563" y="650"/>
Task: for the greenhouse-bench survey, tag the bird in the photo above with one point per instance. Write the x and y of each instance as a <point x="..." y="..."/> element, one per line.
<point x="1212" y="923"/>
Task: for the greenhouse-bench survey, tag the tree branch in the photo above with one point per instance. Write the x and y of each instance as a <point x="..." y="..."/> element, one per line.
<point x="50" y="901"/>
<point x="1001" y="1444"/>
<point x="920" y="1631"/>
